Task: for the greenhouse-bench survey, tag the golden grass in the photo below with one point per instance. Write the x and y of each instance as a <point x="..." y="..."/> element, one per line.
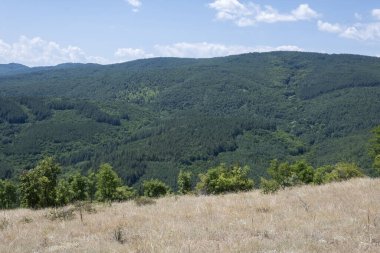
<point x="339" y="217"/>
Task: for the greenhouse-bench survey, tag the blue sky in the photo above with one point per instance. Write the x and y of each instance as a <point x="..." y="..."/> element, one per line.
<point x="49" y="32"/>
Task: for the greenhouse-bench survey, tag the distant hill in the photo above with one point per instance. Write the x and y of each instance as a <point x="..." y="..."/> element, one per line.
<point x="12" y="68"/>
<point x="153" y="117"/>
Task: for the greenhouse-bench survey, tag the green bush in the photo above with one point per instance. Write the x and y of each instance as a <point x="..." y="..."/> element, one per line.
<point x="64" y="194"/>
<point x="337" y="173"/>
<point x="123" y="193"/>
<point x="184" y="182"/>
<point x="8" y="194"/>
<point x="79" y="187"/>
<point x="91" y="185"/>
<point x="375" y="149"/>
<point x="287" y="175"/>
<point x="38" y="186"/>
<point x="269" y="186"/>
<point x="321" y="173"/>
<point x="155" y="188"/>
<point x="223" y="179"/>
<point x="107" y="183"/>
<point x="344" y="171"/>
<point x="376" y="164"/>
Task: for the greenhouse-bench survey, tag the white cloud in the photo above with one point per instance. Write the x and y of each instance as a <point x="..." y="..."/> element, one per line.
<point x="247" y="14"/>
<point x="127" y="54"/>
<point x="205" y="50"/>
<point x="370" y="31"/>
<point x="328" y="27"/>
<point x="38" y="52"/>
<point x="358" y="31"/>
<point x="376" y="13"/>
<point x="134" y="3"/>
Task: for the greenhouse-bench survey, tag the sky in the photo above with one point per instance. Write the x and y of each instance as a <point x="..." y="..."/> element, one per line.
<point x="50" y="32"/>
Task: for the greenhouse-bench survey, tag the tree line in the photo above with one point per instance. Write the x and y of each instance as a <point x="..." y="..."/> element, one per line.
<point x="43" y="187"/>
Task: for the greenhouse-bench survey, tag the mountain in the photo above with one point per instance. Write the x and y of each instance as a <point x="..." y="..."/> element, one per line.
<point x="12" y="68"/>
<point x="153" y="117"/>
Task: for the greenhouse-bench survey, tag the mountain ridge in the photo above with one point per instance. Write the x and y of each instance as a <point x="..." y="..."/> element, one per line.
<point x="153" y="117"/>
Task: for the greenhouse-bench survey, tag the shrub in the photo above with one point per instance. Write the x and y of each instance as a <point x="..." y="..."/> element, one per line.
<point x="155" y="188"/>
<point x="184" y="182"/>
<point x="123" y="193"/>
<point x="269" y="186"/>
<point x="107" y="183"/>
<point x="339" y="172"/>
<point x="78" y="187"/>
<point x="223" y="179"/>
<point x="286" y="174"/>
<point x="375" y="149"/>
<point x="64" y="194"/>
<point x="376" y="164"/>
<point x="321" y="173"/>
<point x="8" y="194"/>
<point x="344" y="171"/>
<point x="91" y="185"/>
<point x="38" y="186"/>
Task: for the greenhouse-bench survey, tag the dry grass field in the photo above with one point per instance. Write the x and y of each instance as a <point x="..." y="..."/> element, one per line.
<point x="339" y="217"/>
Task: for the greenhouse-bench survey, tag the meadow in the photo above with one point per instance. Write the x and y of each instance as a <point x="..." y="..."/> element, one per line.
<point x="336" y="217"/>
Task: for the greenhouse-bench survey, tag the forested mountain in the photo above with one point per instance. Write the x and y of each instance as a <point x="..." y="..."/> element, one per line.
<point x="153" y="117"/>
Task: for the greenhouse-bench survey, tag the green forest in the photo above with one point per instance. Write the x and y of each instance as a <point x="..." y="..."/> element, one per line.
<point x="151" y="119"/>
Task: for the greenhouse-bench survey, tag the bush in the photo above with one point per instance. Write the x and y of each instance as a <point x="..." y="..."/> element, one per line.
<point x="287" y="175"/>
<point x="269" y="186"/>
<point x="184" y="182"/>
<point x="123" y="193"/>
<point x="376" y="164"/>
<point x="375" y="149"/>
<point x="79" y="187"/>
<point x="64" y="194"/>
<point x="8" y="194"/>
<point x="337" y="173"/>
<point x="38" y="186"/>
<point x="155" y="188"/>
<point x="107" y="183"/>
<point x="343" y="171"/>
<point x="321" y="174"/>
<point x="223" y="179"/>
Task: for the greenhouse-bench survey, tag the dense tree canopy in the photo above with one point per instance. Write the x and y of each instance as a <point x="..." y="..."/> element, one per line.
<point x="151" y="118"/>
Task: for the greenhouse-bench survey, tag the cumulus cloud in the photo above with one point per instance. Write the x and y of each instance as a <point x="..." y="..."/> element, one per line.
<point x="328" y="27"/>
<point x="247" y="14"/>
<point x="359" y="31"/>
<point x="127" y="54"/>
<point x="38" y="52"/>
<point x="205" y="50"/>
<point x="135" y="4"/>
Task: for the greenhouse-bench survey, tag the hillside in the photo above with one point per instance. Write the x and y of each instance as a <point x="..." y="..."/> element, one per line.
<point x="338" y="217"/>
<point x="150" y="118"/>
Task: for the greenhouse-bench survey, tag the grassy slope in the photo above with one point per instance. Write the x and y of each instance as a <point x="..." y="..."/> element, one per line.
<point x="339" y="217"/>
